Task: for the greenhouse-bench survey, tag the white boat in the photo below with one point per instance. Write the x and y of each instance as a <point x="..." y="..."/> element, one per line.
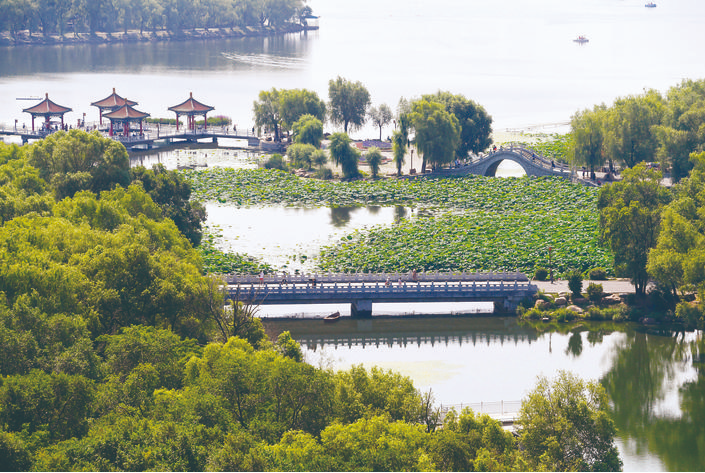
<point x="581" y="39"/>
<point x="650" y="5"/>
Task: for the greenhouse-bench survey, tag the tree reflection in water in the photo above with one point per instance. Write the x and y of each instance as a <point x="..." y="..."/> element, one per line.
<point x="646" y="368"/>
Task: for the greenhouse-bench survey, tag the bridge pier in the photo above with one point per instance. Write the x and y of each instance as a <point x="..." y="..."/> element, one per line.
<point x="361" y="309"/>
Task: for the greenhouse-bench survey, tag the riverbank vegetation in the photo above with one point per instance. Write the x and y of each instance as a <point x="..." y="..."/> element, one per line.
<point x="643" y="128"/>
<point x="54" y="18"/>
<point x="118" y="353"/>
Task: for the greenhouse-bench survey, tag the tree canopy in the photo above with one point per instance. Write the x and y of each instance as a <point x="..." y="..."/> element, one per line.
<point x="348" y="103"/>
<point x="630" y="216"/>
<point x="475" y="123"/>
<point x="564" y="426"/>
<point x="437" y="133"/>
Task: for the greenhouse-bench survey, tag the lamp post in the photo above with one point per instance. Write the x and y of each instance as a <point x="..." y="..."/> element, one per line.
<point x="411" y="161"/>
<point x="550" y="264"/>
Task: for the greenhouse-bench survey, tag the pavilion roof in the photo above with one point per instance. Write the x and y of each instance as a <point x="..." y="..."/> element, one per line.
<point x="112" y="101"/>
<point x="126" y="112"/>
<point x="47" y="107"/>
<point x="191" y="106"/>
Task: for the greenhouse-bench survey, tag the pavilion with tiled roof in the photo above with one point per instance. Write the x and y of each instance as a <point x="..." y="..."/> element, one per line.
<point x="191" y="108"/>
<point x="47" y="109"/>
<point x="111" y="103"/>
<point x="124" y="116"/>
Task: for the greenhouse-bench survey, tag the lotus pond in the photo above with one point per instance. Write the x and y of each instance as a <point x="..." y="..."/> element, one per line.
<point x="470" y="223"/>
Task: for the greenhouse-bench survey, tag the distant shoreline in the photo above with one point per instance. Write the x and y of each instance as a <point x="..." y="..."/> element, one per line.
<point x="134" y="36"/>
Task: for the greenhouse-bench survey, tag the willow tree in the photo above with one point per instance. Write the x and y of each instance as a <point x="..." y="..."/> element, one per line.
<point x="437" y="133"/>
<point x="475" y="123"/>
<point x="348" y="103"/>
<point x="344" y="155"/>
<point x="588" y="138"/>
<point x="268" y="112"/>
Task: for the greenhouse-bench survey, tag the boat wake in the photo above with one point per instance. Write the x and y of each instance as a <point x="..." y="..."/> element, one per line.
<point x="267" y="60"/>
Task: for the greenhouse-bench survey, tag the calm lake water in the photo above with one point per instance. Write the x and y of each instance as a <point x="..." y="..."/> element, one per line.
<point x="656" y="383"/>
<point x="516" y="58"/>
<point x="519" y="61"/>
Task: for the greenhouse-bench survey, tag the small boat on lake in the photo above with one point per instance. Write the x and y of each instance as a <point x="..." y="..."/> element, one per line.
<point x="334" y="317"/>
<point x="581" y="39"/>
<point x="650" y="5"/>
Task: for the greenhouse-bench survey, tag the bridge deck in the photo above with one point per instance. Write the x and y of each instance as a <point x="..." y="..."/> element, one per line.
<point x="509" y="293"/>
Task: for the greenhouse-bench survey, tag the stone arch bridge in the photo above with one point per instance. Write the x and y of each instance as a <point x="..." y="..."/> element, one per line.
<point x="532" y="163"/>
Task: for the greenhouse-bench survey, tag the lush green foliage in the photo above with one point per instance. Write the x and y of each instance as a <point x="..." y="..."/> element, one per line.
<point x="380" y="116"/>
<point x="348" y="103"/>
<point x="308" y="130"/>
<point x="678" y="260"/>
<point x="630" y="219"/>
<point x="261" y="187"/>
<point x="564" y="426"/>
<point x="641" y="128"/>
<point x="475" y="124"/>
<point x="478" y="241"/>
<point x="374" y="159"/>
<point x="437" y="133"/>
<point x="344" y="155"/>
<point x="512" y="223"/>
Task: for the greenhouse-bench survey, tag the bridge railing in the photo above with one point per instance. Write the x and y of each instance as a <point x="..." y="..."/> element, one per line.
<point x="272" y="278"/>
<point x="279" y="292"/>
<point x="505" y="410"/>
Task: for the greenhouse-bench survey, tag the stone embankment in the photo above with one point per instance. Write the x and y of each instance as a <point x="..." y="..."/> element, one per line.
<point x="135" y="36"/>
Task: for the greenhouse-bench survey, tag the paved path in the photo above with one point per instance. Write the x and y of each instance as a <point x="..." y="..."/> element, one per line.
<point x="619" y="286"/>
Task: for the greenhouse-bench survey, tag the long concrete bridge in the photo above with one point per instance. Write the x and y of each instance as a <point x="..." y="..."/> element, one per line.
<point x="532" y="163"/>
<point x="505" y="290"/>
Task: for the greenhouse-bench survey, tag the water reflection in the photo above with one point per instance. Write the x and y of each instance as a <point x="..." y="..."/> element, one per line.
<point x="231" y="54"/>
<point x="658" y="397"/>
<point x="340" y="216"/>
<point x="655" y="381"/>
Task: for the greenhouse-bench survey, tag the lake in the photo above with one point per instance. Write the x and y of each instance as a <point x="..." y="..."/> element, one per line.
<point x="515" y="58"/>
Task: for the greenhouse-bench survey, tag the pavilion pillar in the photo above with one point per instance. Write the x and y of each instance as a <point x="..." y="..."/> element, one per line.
<point x="62" y="121"/>
<point x="32" y="123"/>
<point x="110" y="133"/>
<point x="101" y="115"/>
<point x="177" y="122"/>
<point x="126" y="128"/>
<point x="140" y="127"/>
<point x="205" y="123"/>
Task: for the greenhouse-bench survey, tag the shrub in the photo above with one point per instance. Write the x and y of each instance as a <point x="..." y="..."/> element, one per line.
<point x="324" y="173"/>
<point x="594" y="292"/>
<point x="276" y="161"/>
<point x="597" y="274"/>
<point x="540" y="274"/>
<point x="575" y="282"/>
<point x="689" y="314"/>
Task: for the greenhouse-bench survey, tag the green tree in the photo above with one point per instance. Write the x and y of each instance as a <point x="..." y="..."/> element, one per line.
<point x="587" y="128"/>
<point x="683" y="129"/>
<point x="398" y="149"/>
<point x="301" y="155"/>
<point x="374" y="159"/>
<point x="564" y="426"/>
<point x="344" y="155"/>
<point x="629" y="135"/>
<point x="348" y="103"/>
<point x="437" y="133"/>
<point x="267" y="111"/>
<point x="76" y="161"/>
<point x="296" y="103"/>
<point x="380" y="116"/>
<point x="172" y="192"/>
<point x="630" y="216"/>
<point x="308" y="130"/>
<point x="678" y="260"/>
<point x="475" y="123"/>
